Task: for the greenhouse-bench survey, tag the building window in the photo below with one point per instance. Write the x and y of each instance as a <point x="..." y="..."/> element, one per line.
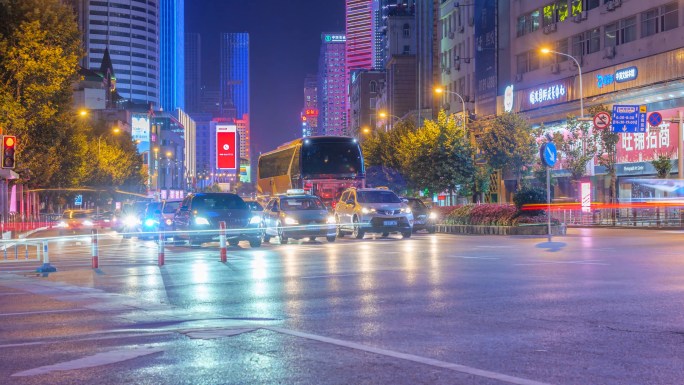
<point x="373" y="86"/>
<point x="521" y="63"/>
<point x="407" y="49"/>
<point x="593" y="37"/>
<point x="649" y="22"/>
<point x="620" y="32"/>
<point x="669" y="16"/>
<point x="521" y="26"/>
<point x="528" y="61"/>
<point x="535" y="21"/>
<point x="407" y="30"/>
<point x="660" y="19"/>
<point x="591" y="4"/>
<point x="577" y="45"/>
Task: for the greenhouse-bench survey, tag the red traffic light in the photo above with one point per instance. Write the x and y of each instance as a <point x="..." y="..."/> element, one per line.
<point x="8" y="144"/>
<point x="10" y="141"/>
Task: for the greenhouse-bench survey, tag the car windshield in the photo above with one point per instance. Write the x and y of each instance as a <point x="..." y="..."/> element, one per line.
<point x="301" y="204"/>
<point x="254" y="206"/>
<point x="377" y="197"/>
<point x="171" y="207"/>
<point x="219" y="202"/>
<point x="71" y="215"/>
<point x="152" y="207"/>
<point x="417" y="204"/>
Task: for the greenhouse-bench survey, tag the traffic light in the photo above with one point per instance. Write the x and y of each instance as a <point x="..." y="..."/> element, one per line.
<point x="9" y="143"/>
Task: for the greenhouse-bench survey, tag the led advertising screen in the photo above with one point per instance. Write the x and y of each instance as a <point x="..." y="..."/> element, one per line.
<point x="140" y="131"/>
<point x="227" y="147"/>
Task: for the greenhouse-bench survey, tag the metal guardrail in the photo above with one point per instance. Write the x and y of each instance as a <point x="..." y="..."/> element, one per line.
<point x="19" y="250"/>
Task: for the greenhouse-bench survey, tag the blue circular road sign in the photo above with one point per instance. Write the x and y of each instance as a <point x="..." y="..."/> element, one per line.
<point x="655" y="119"/>
<point x="549" y="154"/>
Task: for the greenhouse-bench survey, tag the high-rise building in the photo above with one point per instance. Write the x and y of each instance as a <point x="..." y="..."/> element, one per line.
<point x="310" y="110"/>
<point x="234" y="74"/>
<point x="172" y="54"/>
<point x="427" y="20"/>
<point x="359" y="34"/>
<point x="130" y="30"/>
<point x="332" y="85"/>
<point x="193" y="71"/>
<point x="386" y="9"/>
<point x="245" y="153"/>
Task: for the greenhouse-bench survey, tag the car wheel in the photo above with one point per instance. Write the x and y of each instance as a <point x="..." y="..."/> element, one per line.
<point x="331" y="238"/>
<point x="432" y="230"/>
<point x="233" y="242"/>
<point x="385" y="234"/>
<point x="338" y="230"/>
<point x="312" y="239"/>
<point x="406" y="234"/>
<point x="358" y="231"/>
<point x="255" y="242"/>
<point x="267" y="238"/>
<point x="281" y="234"/>
<point x="195" y="244"/>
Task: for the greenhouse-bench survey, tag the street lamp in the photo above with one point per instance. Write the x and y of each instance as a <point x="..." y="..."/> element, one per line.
<point x="114" y="131"/>
<point x="441" y="90"/>
<point x="590" y="164"/>
<point x="579" y="69"/>
<point x="384" y="114"/>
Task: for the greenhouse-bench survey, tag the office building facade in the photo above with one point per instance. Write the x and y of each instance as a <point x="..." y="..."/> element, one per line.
<point x="172" y="54"/>
<point x="193" y="71"/>
<point x="310" y="113"/>
<point x="332" y="85"/>
<point x="130" y="30"/>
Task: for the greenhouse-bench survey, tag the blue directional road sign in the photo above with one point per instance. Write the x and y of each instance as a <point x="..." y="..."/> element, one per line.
<point x="549" y="154"/>
<point x="655" y="119"/>
<point x="78" y="200"/>
<point x="629" y="118"/>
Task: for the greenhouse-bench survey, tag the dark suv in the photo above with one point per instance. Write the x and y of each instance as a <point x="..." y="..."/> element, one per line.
<point x="197" y="219"/>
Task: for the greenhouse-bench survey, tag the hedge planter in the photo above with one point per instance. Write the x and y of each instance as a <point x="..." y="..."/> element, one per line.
<point x="532" y="229"/>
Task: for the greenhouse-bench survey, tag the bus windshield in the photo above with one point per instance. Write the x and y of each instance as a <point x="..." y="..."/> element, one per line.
<point x="331" y="158"/>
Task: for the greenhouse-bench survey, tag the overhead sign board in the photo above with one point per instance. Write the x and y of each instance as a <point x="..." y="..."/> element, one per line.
<point x="620" y="76"/>
<point x="629" y="118"/>
<point x="334" y="38"/>
<point x="227" y="147"/>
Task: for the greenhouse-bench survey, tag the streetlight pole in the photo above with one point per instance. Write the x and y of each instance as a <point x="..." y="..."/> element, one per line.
<point x="390" y="116"/>
<point x="579" y="69"/>
<point x="440" y="90"/>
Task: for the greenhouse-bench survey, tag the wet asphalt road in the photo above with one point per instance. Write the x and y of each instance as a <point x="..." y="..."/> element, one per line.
<point x="599" y="306"/>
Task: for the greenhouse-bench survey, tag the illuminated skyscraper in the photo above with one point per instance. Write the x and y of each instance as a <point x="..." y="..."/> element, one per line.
<point x="359" y="33"/>
<point x="193" y="71"/>
<point x="130" y="30"/>
<point x="332" y="86"/>
<point x="310" y="110"/>
<point x="234" y="74"/>
<point x="172" y="54"/>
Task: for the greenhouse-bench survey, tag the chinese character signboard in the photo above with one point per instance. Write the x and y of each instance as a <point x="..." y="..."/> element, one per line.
<point x="643" y="147"/>
<point x="227" y="147"/>
<point x="629" y="118"/>
<point x="547" y="94"/>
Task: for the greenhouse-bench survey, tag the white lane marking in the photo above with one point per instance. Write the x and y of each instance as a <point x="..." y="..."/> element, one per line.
<point x="471" y="257"/>
<point x="330" y="276"/>
<point x="584" y="262"/>
<point x="115" y="337"/>
<point x="99" y="359"/>
<point x="409" y="357"/>
<point x="42" y="312"/>
<point x="491" y="247"/>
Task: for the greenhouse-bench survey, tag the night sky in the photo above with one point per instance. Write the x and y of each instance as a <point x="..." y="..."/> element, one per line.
<point x="284" y="46"/>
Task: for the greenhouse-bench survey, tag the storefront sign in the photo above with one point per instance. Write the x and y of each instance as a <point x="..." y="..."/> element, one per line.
<point x="626" y="74"/>
<point x="227" y="147"/>
<point x="620" y="76"/>
<point x="508" y="99"/>
<point x="328" y="38"/>
<point x="548" y="94"/>
<point x="643" y="147"/>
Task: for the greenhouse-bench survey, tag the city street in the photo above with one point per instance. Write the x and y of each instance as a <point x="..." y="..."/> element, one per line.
<point x="595" y="306"/>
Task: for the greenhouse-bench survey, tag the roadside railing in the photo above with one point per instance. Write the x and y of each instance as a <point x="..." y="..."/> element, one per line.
<point x="629" y="217"/>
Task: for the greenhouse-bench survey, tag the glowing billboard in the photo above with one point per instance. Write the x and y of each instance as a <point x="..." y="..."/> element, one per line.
<point x="227" y="147"/>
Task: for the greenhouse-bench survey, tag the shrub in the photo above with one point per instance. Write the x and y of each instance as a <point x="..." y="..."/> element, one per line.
<point x="529" y="195"/>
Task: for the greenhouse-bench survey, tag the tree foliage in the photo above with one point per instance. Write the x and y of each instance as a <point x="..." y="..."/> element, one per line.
<point x="437" y="156"/>
<point x="380" y="152"/>
<point x="40" y="48"/>
<point x="508" y="142"/>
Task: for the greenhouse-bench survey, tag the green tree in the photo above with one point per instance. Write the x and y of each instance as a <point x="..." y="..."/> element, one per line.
<point x="663" y="164"/>
<point x="576" y="148"/>
<point x="437" y="156"/>
<point x="39" y="51"/>
<point x="383" y="166"/>
<point x="508" y="142"/>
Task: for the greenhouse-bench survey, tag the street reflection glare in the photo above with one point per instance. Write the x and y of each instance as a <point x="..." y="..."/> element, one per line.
<point x="259" y="266"/>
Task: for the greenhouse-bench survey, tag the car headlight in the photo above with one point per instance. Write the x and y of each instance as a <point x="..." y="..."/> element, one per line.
<point x="87" y="223"/>
<point x="201" y="221"/>
<point x="149" y="222"/>
<point x="406" y="210"/>
<point x="168" y="222"/>
<point x="291" y="221"/>
<point x="331" y="220"/>
<point x="433" y="215"/>
<point x="130" y="221"/>
<point x="255" y="220"/>
<point x="62" y="224"/>
<point x="365" y="210"/>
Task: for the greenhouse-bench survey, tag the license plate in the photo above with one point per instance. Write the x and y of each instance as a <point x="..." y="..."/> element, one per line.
<point x="390" y="223"/>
